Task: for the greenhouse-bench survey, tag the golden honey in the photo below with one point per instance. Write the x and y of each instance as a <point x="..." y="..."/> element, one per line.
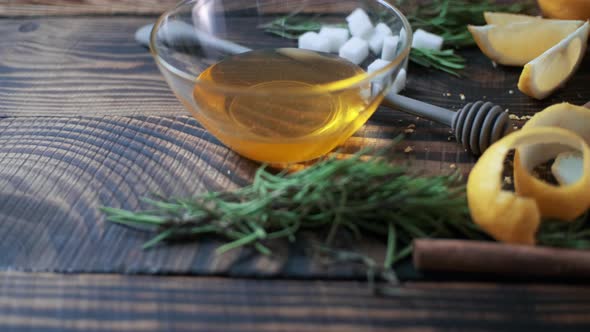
<point x="282" y="126"/>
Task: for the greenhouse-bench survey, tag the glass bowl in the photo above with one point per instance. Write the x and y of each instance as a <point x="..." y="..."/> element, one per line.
<point x="235" y="66"/>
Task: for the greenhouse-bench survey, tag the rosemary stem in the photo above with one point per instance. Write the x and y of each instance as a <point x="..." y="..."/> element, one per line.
<point x="391" y="244"/>
<point x="239" y="242"/>
<point x="158" y="238"/>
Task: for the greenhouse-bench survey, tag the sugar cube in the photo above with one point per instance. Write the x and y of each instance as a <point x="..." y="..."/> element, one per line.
<point x="400" y="82"/>
<point x="376" y="39"/>
<point x="358" y="14"/>
<point x="355" y="50"/>
<point x="365" y="93"/>
<point x="389" y="48"/>
<point x="336" y="36"/>
<point x="383" y="29"/>
<point x="398" y="85"/>
<point x="376" y="42"/>
<point x="360" y="24"/>
<point x="424" y="39"/>
<point x="402" y="37"/>
<point x="314" y="42"/>
<point x="376" y="89"/>
<point x="377" y="65"/>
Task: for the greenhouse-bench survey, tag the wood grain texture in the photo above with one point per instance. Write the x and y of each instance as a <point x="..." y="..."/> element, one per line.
<point x="79" y="67"/>
<point x="47" y="302"/>
<point x="56" y="172"/>
<point x="76" y="64"/>
<point x="10" y="8"/>
<point x="86" y="120"/>
<point x="83" y="7"/>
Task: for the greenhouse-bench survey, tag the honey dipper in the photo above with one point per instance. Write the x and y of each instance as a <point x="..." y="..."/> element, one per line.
<point x="476" y="126"/>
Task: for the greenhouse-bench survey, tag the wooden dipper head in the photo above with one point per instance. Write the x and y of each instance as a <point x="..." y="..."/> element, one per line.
<point x="479" y="125"/>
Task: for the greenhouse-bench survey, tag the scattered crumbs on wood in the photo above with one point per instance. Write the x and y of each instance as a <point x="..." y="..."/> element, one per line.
<point x="511" y="91"/>
<point x="526" y="117"/>
<point x="507" y="180"/>
<point x="453" y="166"/>
<point x="408" y="149"/>
<point x="522" y="118"/>
<point x="462" y="96"/>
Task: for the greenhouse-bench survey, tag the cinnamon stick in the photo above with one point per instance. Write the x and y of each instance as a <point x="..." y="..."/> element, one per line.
<point x="500" y="259"/>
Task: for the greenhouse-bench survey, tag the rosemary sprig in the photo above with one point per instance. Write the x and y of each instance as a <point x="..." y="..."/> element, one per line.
<point x="445" y="60"/>
<point x="574" y="235"/>
<point x="291" y="26"/>
<point x="366" y="197"/>
<point x="449" y="18"/>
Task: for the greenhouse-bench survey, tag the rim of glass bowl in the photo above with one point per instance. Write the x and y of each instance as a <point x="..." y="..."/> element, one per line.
<point x="333" y="86"/>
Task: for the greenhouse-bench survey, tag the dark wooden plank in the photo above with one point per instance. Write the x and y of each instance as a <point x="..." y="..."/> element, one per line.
<point x="77" y="67"/>
<point x="56" y="172"/>
<point x="92" y="65"/>
<point x="83" y="7"/>
<point x="48" y="302"/>
<point x="156" y="7"/>
<point x="87" y="121"/>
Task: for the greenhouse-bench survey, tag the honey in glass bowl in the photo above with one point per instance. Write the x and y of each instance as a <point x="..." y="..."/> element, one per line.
<point x="281" y="127"/>
<point x="258" y="94"/>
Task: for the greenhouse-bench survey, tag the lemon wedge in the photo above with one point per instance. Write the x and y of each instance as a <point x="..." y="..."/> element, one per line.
<point x="515" y="44"/>
<point x="511" y="217"/>
<point x="548" y="72"/>
<point x="566" y="9"/>
<point x="507" y="18"/>
<point x="564" y="202"/>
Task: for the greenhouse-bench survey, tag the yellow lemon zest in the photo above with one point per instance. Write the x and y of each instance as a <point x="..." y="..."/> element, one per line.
<point x="564" y="202"/>
<point x="507" y="216"/>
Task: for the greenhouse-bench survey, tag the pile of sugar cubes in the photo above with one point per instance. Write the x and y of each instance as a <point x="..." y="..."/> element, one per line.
<point x="361" y="38"/>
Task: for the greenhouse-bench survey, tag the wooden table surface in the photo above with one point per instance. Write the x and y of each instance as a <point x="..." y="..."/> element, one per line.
<point x="86" y="120"/>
